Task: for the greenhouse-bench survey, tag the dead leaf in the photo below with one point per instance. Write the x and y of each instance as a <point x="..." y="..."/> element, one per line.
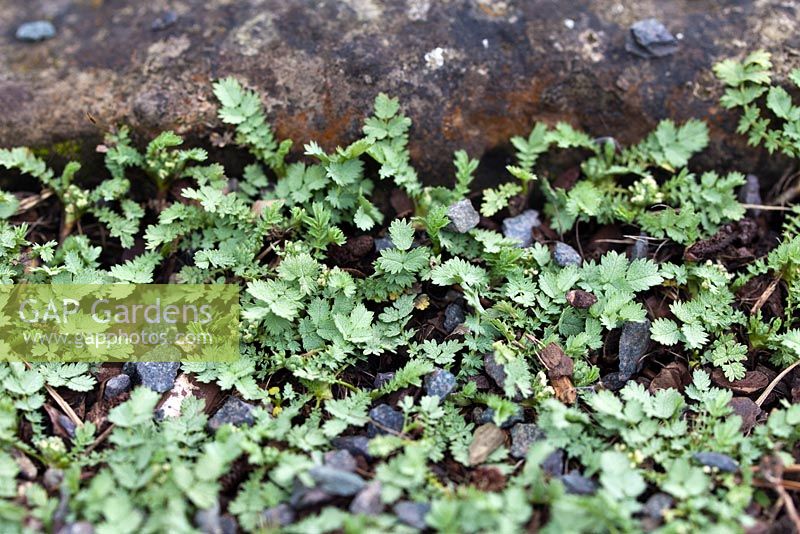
<point x="753" y="381"/>
<point x="559" y="370"/>
<point x="747" y="409"/>
<point x="675" y="375"/>
<point x="485" y="441"/>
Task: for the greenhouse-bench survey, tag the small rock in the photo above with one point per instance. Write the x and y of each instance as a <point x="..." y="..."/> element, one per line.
<point x="116" y="386"/>
<point x="67" y="424"/>
<point x="385" y="420"/>
<point x="747" y="409"/>
<point x="657" y="504"/>
<point x="383" y="243"/>
<point x="750" y="193"/>
<point x="38" y="30"/>
<point x="412" y="513"/>
<point x="522" y="437"/>
<point x="208" y="520"/>
<point x="521" y="226"/>
<point x="649" y="38"/>
<point x="382" y="379"/>
<point x="723" y="462"/>
<point x="158" y="376"/>
<point x="496" y="371"/>
<point x="278" y="516"/>
<point x="633" y="344"/>
<point x="640" y="247"/>
<point x="578" y="298"/>
<point x="453" y="316"/>
<point x="368" y="501"/>
<point x="52" y="479"/>
<point x="78" y="527"/>
<point x="564" y="255"/>
<point x="614" y="381"/>
<point x="304" y="497"/>
<point x="340" y="459"/>
<point x="167" y="19"/>
<point x="463" y="216"/>
<point x="353" y="444"/>
<point x="235" y="411"/>
<point x="486" y="439"/>
<point x="553" y="465"/>
<point x="487" y="416"/>
<point x="439" y="383"/>
<point x="335" y="481"/>
<point x="577" y="484"/>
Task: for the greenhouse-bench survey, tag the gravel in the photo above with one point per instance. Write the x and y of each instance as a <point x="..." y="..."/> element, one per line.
<point x="158" y="376"/>
<point x="167" y="19"/>
<point x="385" y="420"/>
<point x="278" y="516"/>
<point x="235" y="412"/>
<point x="335" y="481"/>
<point x="649" y="38"/>
<point x="633" y="344"/>
<point x="439" y="383"/>
<point x="463" y="217"/>
<point x="522" y="437"/>
<point x="487" y="416"/>
<point x="657" y="504"/>
<point x="116" y="386"/>
<point x="577" y="484"/>
<point x="453" y="316"/>
<point x="750" y="193"/>
<point x="383" y="243"/>
<point x="495" y="370"/>
<point x="368" y="501"/>
<point x="381" y="379"/>
<point x="340" y="459"/>
<point x="353" y="444"/>
<point x="564" y="255"/>
<point x="37" y="30"/>
<point x="639" y="248"/>
<point x="521" y="226"/>
<point x="412" y="513"/>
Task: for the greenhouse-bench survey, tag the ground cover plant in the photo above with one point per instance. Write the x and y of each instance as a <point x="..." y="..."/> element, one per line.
<point x="620" y="359"/>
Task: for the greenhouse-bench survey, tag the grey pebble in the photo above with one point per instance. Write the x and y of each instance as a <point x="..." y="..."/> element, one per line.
<point x="522" y="437"/>
<point x="340" y="459"/>
<point x="78" y="527"/>
<point x="235" y="411"/>
<point x="385" y="420"/>
<point x="37" y="30"/>
<point x="657" y="504"/>
<point x="633" y="344"/>
<point x="495" y="370"/>
<point x="487" y="416"/>
<point x="353" y="444"/>
<point x="564" y="255"/>
<point x="167" y="19"/>
<point x="158" y="376"/>
<point x="382" y="379"/>
<point x="649" y="38"/>
<point x="412" y="513"/>
<point x="521" y="226"/>
<point x="335" y="481"/>
<point x="278" y="516"/>
<point x="439" y="383"/>
<point x="577" y="484"/>
<point x="116" y="386"/>
<point x="463" y="216"/>
<point x="383" y="243"/>
<point x="750" y="193"/>
<point x="368" y="501"/>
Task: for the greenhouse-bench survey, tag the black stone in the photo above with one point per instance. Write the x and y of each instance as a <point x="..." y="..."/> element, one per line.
<point x="340" y="459"/>
<point x="453" y="316"/>
<point x="487" y="416"/>
<point x="381" y="379"/>
<point x="553" y="465"/>
<point x="495" y="370"/>
<point x="614" y="381"/>
<point x="750" y="193"/>
<point x="278" y="516"/>
<point x="235" y="411"/>
<point x="723" y="462"/>
<point x="385" y="420"/>
<point x="383" y="243"/>
<point x="657" y="504"/>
